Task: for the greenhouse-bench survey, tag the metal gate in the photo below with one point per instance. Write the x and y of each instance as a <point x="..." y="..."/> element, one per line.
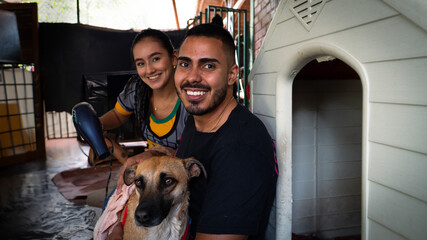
<point x="21" y="121"/>
<point x="17" y="110"/>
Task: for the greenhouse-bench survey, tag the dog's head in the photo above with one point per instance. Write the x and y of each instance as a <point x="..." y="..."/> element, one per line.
<point x="161" y="183"/>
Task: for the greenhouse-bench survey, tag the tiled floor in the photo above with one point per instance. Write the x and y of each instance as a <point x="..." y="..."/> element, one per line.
<point x="31" y="205"/>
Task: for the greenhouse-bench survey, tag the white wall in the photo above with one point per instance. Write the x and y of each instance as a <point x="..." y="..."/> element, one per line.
<point x="388" y="50"/>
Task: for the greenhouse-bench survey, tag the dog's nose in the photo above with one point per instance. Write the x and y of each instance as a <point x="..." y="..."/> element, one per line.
<point x="142" y="216"/>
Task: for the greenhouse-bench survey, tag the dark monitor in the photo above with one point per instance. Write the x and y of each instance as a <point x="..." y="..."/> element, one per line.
<point x="101" y="91"/>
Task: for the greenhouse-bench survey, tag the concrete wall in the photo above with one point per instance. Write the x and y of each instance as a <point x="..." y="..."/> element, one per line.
<point x="385" y="42"/>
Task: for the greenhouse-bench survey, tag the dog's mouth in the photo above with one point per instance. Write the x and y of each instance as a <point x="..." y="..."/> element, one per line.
<point x="151" y="213"/>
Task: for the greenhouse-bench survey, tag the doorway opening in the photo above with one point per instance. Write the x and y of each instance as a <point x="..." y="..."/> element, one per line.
<point x="327" y="107"/>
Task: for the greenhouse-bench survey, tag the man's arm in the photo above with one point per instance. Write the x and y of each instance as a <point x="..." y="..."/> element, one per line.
<point x="204" y="236"/>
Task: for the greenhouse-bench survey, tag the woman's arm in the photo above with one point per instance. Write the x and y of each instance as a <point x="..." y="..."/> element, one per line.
<point x="162" y="149"/>
<point x="112" y="119"/>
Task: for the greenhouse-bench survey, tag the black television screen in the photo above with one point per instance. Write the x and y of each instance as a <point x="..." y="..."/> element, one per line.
<point x="101" y="91"/>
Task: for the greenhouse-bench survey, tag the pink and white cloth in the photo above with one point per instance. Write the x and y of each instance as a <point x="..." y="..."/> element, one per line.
<point x="110" y="217"/>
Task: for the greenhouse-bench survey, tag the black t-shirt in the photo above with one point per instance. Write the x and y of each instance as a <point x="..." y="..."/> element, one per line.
<point x="239" y="159"/>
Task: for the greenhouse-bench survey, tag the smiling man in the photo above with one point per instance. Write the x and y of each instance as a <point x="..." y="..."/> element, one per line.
<point x="234" y="201"/>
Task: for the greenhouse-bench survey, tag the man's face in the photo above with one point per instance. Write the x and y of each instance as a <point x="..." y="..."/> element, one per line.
<point x="203" y="74"/>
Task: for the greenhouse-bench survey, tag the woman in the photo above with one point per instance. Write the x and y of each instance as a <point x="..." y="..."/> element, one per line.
<point x="151" y="95"/>
<point x="160" y="115"/>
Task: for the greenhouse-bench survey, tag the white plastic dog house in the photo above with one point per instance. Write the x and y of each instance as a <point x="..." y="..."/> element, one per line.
<point x="385" y="43"/>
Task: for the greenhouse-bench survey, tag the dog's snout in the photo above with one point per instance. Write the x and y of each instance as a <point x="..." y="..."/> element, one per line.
<point x="142" y="217"/>
<point x="148" y="213"/>
<point x="147" y="218"/>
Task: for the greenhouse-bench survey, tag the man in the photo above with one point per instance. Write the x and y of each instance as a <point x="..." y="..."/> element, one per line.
<point x="234" y="201"/>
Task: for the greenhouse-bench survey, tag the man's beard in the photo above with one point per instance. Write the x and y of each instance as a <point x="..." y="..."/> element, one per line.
<point x="218" y="97"/>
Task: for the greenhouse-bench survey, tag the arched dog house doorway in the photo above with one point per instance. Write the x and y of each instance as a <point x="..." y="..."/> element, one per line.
<point x="289" y="212"/>
<point x="326" y="150"/>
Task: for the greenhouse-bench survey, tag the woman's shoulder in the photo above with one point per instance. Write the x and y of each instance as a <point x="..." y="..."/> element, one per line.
<point x="132" y="82"/>
<point x="182" y="111"/>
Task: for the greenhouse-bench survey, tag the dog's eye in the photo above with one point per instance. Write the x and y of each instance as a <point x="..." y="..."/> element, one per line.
<point x="138" y="182"/>
<point x="169" y="181"/>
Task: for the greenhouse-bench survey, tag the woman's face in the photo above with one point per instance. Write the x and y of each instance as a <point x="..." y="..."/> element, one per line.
<point x="153" y="63"/>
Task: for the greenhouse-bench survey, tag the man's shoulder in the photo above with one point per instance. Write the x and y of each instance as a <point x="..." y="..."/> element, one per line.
<point x="248" y="128"/>
<point x="248" y="122"/>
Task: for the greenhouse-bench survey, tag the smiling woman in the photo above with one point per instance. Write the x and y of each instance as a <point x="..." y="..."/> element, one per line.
<point x="151" y="94"/>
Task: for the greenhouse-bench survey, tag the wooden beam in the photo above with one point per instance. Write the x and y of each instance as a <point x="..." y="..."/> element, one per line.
<point x="176" y="14"/>
<point x="239" y="4"/>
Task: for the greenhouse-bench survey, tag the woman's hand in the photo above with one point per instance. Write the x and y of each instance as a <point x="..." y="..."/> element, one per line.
<point x="129" y="162"/>
<point x="162" y="149"/>
<point x="135" y="160"/>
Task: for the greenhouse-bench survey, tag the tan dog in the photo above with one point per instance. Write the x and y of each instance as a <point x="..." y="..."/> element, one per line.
<point x="158" y="208"/>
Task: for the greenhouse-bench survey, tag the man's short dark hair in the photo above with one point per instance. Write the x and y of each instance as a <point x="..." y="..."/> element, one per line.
<point x="215" y="31"/>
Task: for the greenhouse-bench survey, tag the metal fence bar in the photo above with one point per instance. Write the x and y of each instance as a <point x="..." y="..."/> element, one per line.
<point x="60" y="125"/>
<point x="66" y="125"/>
<point x="245" y="62"/>
<point x="53" y="126"/>
<point x="6" y="100"/>
<point x="238" y="52"/>
<point x="20" y="132"/>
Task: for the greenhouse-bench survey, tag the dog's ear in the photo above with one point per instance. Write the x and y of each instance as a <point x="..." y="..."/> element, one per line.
<point x="129" y="175"/>
<point x="194" y="167"/>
